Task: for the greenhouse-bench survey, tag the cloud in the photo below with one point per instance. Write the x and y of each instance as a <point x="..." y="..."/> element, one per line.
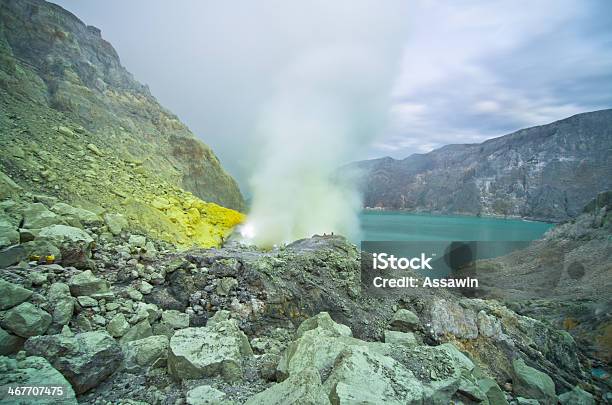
<point x="477" y="70"/>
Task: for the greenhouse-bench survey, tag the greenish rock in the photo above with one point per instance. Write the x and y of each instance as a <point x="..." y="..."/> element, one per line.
<point x="63" y="303"/>
<point x="12" y="295"/>
<point x="73" y="243"/>
<point x="9" y="235"/>
<point x="41" y="248"/>
<point x="34" y="372"/>
<point x="37" y="278"/>
<point x="219" y="316"/>
<point x="85" y="359"/>
<point x="145" y="288"/>
<point x="364" y="376"/>
<point x="8" y="188"/>
<point x="209" y="351"/>
<point x="9" y="344"/>
<point x="144" y="353"/>
<point x="207" y="395"/>
<point x="324" y="321"/>
<point x="86" y="283"/>
<point x="532" y="383"/>
<point x="301" y="388"/>
<point x="494" y="394"/>
<point x="115" y="223"/>
<point x="26" y="320"/>
<point x="457" y="356"/>
<point x="134" y="294"/>
<point x="82" y="323"/>
<point x="175" y="319"/>
<point x="37" y="216"/>
<point x="76" y="215"/>
<point x="12" y="255"/>
<point x="226" y="285"/>
<point x="316" y="348"/>
<point x="526" y="401"/>
<point x="118" y="326"/>
<point x="400" y="338"/>
<point x="577" y="396"/>
<point x="137" y="241"/>
<point x="139" y="331"/>
<point x="404" y="321"/>
<point x="87" y="302"/>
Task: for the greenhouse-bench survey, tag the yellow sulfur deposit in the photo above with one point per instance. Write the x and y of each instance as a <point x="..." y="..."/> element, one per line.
<point x="182" y="219"/>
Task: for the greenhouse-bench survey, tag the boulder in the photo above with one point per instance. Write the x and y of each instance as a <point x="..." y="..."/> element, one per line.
<point x="400" y="338"/>
<point x="13" y="255"/>
<point x="404" y="321"/>
<point x="115" y="223"/>
<point x="207" y="395"/>
<point x="9" y="344"/>
<point x="175" y="319"/>
<point x="85" y="359"/>
<point x="86" y="283"/>
<point x="209" y="351"/>
<point x="144" y="353"/>
<point x="139" y="331"/>
<point x="12" y="295"/>
<point x="73" y="243"/>
<point x="74" y="215"/>
<point x="118" y="326"/>
<point x="9" y="235"/>
<point x="532" y="383"/>
<point x="26" y="320"/>
<point x="8" y="187"/>
<point x="137" y="241"/>
<point x="37" y="215"/>
<point x="364" y="376"/>
<point x="301" y="388"/>
<point x="324" y="321"/>
<point x="225" y="285"/>
<point x="449" y="317"/>
<point x="63" y="303"/>
<point x="34" y="372"/>
<point x="577" y="396"/>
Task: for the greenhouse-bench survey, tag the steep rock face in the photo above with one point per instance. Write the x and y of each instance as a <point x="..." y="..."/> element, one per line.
<point x="547" y="172"/>
<point x="63" y="85"/>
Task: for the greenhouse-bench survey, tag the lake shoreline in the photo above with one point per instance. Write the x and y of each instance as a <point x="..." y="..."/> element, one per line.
<point x="458" y="214"/>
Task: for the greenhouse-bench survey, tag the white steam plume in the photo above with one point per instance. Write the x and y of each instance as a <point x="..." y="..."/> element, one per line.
<point x="331" y="100"/>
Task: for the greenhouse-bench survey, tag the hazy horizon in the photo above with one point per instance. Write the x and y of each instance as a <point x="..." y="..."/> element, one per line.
<point x="469" y="70"/>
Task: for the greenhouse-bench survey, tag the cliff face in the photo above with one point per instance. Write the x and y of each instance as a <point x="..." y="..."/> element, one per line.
<point x="56" y="71"/>
<point x="547" y="172"/>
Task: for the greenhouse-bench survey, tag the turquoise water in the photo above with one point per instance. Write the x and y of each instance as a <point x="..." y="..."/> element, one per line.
<point x="400" y="226"/>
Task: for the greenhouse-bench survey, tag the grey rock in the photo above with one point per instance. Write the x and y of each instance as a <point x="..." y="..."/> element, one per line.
<point x="36" y="216"/>
<point x="577" y="396"/>
<point x="532" y="383"/>
<point x="209" y="351"/>
<point x="118" y="326"/>
<point x="404" y="321"/>
<point x="207" y="395"/>
<point x="86" y="283"/>
<point x="324" y="321"/>
<point x="139" y="331"/>
<point x="85" y="359"/>
<point x="300" y="388"/>
<point x="141" y="354"/>
<point x="400" y="338"/>
<point x="225" y="285"/>
<point x="12" y="294"/>
<point x="9" y="344"/>
<point x="34" y="372"/>
<point x="26" y="320"/>
<point x="175" y="319"/>
<point x="73" y="243"/>
<point x="115" y="223"/>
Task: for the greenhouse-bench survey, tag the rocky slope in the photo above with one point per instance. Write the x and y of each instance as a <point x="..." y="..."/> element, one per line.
<point x="75" y="125"/>
<point x="547" y="172"/>
<point x="564" y="278"/>
<point x="126" y="319"/>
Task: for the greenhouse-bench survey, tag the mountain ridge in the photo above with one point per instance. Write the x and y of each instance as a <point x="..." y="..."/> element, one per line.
<point x="511" y="175"/>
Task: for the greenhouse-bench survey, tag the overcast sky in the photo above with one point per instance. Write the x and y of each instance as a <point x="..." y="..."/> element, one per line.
<point x="469" y="70"/>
